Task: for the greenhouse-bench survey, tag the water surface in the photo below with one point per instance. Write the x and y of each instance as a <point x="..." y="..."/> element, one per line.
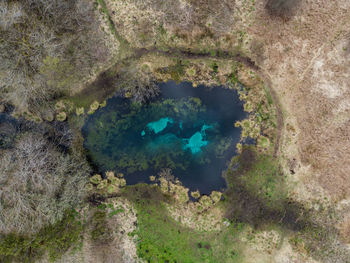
<point x="190" y="130"/>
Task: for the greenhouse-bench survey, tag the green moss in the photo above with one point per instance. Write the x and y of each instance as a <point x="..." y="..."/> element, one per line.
<point x="54" y="239"/>
<point x="264" y="180"/>
<point x="268" y="96"/>
<point x="161" y="29"/>
<point x="115" y="212"/>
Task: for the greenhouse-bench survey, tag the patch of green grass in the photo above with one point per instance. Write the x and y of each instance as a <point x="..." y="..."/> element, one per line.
<point x="268" y="96"/>
<point x="54" y="239"/>
<point x="115" y="212"/>
<point x="162" y="239"/>
<point x="257" y="193"/>
<point x="264" y="180"/>
<point x="103" y="9"/>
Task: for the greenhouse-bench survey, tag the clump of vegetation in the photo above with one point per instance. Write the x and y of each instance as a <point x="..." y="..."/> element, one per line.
<point x="263" y="142"/>
<point x="110" y="185"/>
<point x="93" y="107"/>
<point x="79" y="111"/>
<point x="176" y="71"/>
<point x="62" y="116"/>
<point x="249" y="128"/>
<point x="215" y="196"/>
<point x="38" y="184"/>
<point x="195" y="194"/>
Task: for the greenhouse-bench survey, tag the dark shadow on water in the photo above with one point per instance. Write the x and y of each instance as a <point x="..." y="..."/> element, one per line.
<point x="119" y="132"/>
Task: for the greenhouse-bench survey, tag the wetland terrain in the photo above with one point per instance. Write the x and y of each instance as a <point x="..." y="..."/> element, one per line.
<point x="174" y="131"/>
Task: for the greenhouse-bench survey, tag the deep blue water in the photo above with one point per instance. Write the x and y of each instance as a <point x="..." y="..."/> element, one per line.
<point x="190" y="130"/>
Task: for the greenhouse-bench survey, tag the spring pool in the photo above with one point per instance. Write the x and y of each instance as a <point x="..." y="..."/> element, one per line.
<point x="189" y="130"/>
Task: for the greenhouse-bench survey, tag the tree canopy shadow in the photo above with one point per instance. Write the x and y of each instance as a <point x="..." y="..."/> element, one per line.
<point x="284" y="9"/>
<point x="259" y="207"/>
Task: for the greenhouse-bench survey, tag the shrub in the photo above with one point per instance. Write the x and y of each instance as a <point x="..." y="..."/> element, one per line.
<point x="62" y="116"/>
<point x="54" y="239"/>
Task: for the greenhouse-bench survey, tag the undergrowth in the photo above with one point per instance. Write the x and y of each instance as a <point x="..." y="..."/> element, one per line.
<point x="54" y="239"/>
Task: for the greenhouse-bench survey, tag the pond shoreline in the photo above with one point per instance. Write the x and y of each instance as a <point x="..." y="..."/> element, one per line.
<point x="217" y="96"/>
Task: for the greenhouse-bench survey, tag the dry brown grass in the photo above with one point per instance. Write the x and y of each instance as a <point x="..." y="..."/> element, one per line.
<point x="305" y="59"/>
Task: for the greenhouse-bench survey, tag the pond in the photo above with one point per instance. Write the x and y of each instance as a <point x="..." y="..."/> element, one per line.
<point x="189" y="130"/>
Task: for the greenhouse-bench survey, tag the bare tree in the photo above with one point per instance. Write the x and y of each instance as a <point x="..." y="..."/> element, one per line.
<point x="46" y="47"/>
<point x="138" y="85"/>
<point x="38" y="184"/>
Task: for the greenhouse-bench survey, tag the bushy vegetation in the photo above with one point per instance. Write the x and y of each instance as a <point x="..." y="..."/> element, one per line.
<point x="38" y="183"/>
<point x="45" y="49"/>
<point x="54" y="240"/>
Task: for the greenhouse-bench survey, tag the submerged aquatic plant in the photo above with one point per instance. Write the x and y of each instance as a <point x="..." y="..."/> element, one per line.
<point x="139" y="144"/>
<point x="189" y="131"/>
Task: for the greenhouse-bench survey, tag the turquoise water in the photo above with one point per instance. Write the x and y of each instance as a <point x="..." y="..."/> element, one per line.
<point x="190" y="130"/>
<point x="158" y="126"/>
<point x="197" y="140"/>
